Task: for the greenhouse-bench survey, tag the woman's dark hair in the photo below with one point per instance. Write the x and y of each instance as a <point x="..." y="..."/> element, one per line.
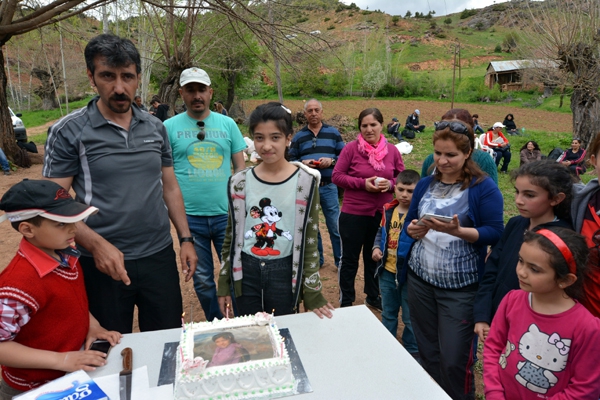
<point x="465" y="143"/>
<point x="535" y="145"/>
<point x="578" y="140"/>
<point x="117" y="52"/>
<point x="511" y="117"/>
<point x="578" y="247"/>
<point x="272" y="111"/>
<point x="370" y="111"/>
<point x="554" y="178"/>
<point x="225" y="335"/>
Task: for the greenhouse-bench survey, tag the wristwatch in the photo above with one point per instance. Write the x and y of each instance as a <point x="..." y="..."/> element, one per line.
<point x="332" y="161"/>
<point x="186" y="239"/>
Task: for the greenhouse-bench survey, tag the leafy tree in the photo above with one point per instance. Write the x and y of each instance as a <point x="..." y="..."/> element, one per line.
<point x="408" y="14"/>
<point x="17" y="18"/>
<point x="395" y="19"/>
<point x="448" y="21"/>
<point x="374" y="78"/>
<point x="566" y="35"/>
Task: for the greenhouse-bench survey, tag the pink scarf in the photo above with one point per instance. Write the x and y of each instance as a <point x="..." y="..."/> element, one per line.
<point x="375" y="154"/>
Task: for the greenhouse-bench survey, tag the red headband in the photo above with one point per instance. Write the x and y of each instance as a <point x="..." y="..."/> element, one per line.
<point x="562" y="247"/>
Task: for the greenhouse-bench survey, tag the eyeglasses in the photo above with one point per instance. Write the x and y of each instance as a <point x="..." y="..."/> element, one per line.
<point x="201" y="134"/>
<point x="455" y="127"/>
<point x="314" y="142"/>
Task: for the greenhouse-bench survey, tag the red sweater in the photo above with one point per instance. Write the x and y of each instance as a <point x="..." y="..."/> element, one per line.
<point x="59" y="309"/>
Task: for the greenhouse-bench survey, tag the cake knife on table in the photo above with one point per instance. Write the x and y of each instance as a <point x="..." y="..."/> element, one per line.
<point x="125" y="375"/>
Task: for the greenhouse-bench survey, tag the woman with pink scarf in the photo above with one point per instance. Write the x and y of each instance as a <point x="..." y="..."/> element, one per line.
<point x="228" y="351"/>
<point x="367" y="170"/>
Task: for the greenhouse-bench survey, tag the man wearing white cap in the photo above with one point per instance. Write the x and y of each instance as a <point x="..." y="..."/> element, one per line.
<point x="204" y="145"/>
<point x="412" y="122"/>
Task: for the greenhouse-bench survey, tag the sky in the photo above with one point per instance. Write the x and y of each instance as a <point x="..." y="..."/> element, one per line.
<point x="441" y="7"/>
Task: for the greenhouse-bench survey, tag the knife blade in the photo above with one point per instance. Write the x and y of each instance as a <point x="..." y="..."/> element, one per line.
<point x="125" y="375"/>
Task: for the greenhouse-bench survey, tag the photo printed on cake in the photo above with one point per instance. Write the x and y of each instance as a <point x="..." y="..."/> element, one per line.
<point x="235" y="345"/>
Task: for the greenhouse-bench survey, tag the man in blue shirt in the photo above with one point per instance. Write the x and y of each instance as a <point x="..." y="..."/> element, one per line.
<point x="205" y="145"/>
<point x="319" y="145"/>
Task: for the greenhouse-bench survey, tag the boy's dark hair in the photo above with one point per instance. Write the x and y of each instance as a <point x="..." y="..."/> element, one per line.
<point x="408" y="177"/>
<point x="118" y="52"/>
<point x="35" y="221"/>
<point x="578" y="247"/>
<point x="272" y="111"/>
<point x="554" y="178"/>
<point x="475" y="115"/>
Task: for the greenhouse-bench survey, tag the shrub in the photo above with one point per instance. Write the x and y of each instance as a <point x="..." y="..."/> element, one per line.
<point x="441" y="35"/>
<point x="395" y="19"/>
<point x="448" y="21"/>
<point x="498" y="49"/>
<point x="326" y="19"/>
<point x="302" y="19"/>
<point x="330" y="27"/>
<point x="467" y="13"/>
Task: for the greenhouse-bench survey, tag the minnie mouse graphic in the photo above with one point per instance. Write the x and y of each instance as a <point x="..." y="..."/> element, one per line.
<point x="266" y="232"/>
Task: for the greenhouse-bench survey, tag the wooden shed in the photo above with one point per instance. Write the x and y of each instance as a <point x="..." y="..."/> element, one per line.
<point x="515" y="74"/>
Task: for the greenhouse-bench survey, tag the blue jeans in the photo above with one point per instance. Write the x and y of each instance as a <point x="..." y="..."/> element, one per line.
<point x="392" y="298"/>
<point x="207" y="230"/>
<point x="4" y="161"/>
<point x="330" y="205"/>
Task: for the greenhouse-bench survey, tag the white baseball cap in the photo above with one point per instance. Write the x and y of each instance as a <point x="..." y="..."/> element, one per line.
<point x="498" y="125"/>
<point x="417" y="112"/>
<point x="194" y="75"/>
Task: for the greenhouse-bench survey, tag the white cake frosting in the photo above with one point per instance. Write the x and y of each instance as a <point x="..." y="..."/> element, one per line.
<point x="264" y="378"/>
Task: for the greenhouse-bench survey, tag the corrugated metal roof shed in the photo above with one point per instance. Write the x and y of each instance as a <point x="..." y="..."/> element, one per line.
<point x="515" y="65"/>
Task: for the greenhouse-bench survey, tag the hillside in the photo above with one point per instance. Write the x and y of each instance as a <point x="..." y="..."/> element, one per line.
<point x="346" y="45"/>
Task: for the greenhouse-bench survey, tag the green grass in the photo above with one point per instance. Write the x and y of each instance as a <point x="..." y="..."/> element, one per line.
<point x="39" y="139"/>
<point x="41" y="117"/>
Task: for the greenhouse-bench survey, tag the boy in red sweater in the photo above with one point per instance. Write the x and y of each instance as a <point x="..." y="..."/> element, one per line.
<point x="44" y="315"/>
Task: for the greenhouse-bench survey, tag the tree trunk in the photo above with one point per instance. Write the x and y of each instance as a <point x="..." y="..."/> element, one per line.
<point x="7" y="134"/>
<point x="46" y="90"/>
<point x="168" y="91"/>
<point x="586" y="114"/>
<point x="231" y="79"/>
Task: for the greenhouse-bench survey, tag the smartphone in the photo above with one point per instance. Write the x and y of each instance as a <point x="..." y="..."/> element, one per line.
<point x="101" y="345"/>
<point x="441" y="218"/>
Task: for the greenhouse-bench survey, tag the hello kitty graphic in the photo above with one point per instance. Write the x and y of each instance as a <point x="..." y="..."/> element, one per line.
<point x="267" y="231"/>
<point x="544" y="354"/>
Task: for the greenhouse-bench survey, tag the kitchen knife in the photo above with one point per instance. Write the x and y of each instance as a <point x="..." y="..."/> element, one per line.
<point x="125" y="375"/>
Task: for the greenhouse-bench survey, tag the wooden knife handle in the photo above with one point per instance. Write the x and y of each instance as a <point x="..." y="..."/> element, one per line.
<point x="127" y="354"/>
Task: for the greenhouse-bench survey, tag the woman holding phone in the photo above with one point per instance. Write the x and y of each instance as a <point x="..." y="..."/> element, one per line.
<point x="445" y="258"/>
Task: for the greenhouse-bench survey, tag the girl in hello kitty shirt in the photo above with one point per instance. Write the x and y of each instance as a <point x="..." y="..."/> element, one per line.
<point x="543" y="344"/>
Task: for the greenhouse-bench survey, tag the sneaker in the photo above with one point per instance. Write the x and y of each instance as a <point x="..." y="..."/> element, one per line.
<point x="6" y="172"/>
<point x="376" y="303"/>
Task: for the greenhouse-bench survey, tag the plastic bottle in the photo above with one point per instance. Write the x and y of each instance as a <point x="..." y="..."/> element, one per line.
<point x="522" y="131"/>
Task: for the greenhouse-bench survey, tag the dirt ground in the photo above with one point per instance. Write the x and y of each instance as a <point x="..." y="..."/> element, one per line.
<point x="9" y="241"/>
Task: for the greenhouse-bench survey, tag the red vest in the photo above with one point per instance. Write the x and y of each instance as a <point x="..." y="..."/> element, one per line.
<point x="59" y="315"/>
